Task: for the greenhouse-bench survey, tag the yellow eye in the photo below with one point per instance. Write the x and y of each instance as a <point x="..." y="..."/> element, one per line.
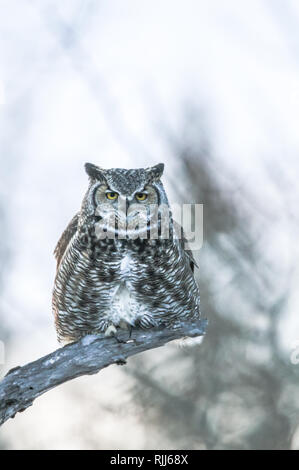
<point x="111" y="195"/>
<point x="141" y="196"/>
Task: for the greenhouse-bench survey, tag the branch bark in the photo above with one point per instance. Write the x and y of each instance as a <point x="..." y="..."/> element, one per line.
<point x="22" y="385"/>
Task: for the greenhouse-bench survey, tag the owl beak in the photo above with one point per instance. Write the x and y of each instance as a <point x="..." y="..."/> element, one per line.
<point x="131" y="211"/>
<point x="127" y="206"/>
<point x="123" y="208"/>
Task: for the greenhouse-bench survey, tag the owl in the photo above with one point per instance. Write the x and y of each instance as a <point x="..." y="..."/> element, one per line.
<point x="120" y="261"/>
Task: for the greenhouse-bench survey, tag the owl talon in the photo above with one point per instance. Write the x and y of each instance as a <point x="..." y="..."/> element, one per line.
<point x="130" y="339"/>
<point x="119" y="340"/>
<point x="110" y="331"/>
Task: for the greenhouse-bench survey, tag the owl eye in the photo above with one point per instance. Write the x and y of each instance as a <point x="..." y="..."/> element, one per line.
<point x="111" y="195"/>
<point x="141" y="196"/>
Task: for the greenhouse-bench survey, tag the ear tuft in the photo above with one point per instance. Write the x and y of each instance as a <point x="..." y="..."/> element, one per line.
<point x="93" y="171"/>
<point x="155" y="172"/>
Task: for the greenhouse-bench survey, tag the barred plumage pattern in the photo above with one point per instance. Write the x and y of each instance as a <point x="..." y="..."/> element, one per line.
<point x="120" y="282"/>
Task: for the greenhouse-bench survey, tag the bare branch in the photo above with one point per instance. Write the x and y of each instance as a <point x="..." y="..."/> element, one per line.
<point x="22" y="385"/>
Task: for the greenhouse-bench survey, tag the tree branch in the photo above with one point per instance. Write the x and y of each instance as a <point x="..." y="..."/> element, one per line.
<point x="22" y="385"/>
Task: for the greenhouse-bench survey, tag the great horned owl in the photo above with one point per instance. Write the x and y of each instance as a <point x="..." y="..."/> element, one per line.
<point x="111" y="276"/>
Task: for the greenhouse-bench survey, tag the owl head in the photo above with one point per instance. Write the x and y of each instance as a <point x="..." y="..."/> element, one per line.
<point x="126" y="195"/>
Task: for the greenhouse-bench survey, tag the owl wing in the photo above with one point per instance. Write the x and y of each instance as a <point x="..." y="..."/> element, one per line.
<point x="184" y="245"/>
<point x="65" y="238"/>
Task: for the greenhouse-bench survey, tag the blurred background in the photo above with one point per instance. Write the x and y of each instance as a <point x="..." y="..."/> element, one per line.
<point x="210" y="89"/>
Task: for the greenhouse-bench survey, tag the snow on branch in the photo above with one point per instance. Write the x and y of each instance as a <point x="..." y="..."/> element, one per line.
<point x="22" y="385"/>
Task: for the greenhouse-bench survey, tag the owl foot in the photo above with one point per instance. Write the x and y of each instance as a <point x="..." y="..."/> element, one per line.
<point x="111" y="331"/>
<point x="130" y="339"/>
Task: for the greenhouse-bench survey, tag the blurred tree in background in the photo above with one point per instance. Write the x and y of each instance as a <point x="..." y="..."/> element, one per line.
<point x="231" y="391"/>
